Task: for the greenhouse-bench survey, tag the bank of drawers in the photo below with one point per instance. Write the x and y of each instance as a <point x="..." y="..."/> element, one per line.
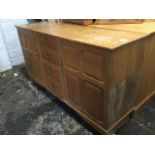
<point x="51" y="63"/>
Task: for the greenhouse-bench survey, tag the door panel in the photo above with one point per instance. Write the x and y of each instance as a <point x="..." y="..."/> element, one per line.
<point x="37" y="68"/>
<point x="73" y="89"/>
<point x="34" y="66"/>
<point x="71" y="57"/>
<point x="93" y="100"/>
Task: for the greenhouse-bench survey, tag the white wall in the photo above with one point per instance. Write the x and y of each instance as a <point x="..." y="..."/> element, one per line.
<point x="4" y="58"/>
<point x="10" y="53"/>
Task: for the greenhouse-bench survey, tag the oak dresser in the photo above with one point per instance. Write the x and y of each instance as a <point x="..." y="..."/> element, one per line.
<point x="103" y="73"/>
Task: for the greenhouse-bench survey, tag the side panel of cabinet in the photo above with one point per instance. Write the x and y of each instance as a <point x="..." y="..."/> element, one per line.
<point x="146" y="85"/>
<point x="23" y="39"/>
<point x="125" y="67"/>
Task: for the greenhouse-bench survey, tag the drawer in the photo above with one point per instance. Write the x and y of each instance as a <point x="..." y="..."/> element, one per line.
<point x="52" y="71"/>
<point x="50" y="54"/>
<point x="55" y="87"/>
<point x="47" y="40"/>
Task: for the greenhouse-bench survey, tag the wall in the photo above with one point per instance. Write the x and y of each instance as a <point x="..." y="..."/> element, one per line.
<point x="4" y="58"/>
<point x="10" y="50"/>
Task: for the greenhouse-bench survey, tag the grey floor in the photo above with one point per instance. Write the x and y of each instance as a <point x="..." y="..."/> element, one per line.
<point x="27" y="109"/>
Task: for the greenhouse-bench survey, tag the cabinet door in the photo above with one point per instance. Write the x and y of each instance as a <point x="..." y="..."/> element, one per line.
<point x="37" y="68"/>
<point x="93" y="98"/>
<point x="85" y="96"/>
<point x="34" y="66"/>
<point x="73" y="89"/>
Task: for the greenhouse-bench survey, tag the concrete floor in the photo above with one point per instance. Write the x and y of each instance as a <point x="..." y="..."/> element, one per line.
<point x="28" y="109"/>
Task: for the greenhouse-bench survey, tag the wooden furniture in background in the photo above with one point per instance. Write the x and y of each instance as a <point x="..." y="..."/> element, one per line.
<point x="98" y="72"/>
<point x="117" y="21"/>
<point x="79" y="21"/>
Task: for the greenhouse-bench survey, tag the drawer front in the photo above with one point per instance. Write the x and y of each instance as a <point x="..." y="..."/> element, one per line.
<point x="71" y="53"/>
<point x="55" y="87"/>
<point x="53" y="71"/>
<point x="50" y="54"/>
<point x="47" y="40"/>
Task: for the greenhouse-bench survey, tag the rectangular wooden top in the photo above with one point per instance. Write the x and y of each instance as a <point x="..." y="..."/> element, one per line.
<point x="104" y="38"/>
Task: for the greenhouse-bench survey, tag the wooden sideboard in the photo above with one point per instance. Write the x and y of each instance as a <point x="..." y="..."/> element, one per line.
<point x="97" y="72"/>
